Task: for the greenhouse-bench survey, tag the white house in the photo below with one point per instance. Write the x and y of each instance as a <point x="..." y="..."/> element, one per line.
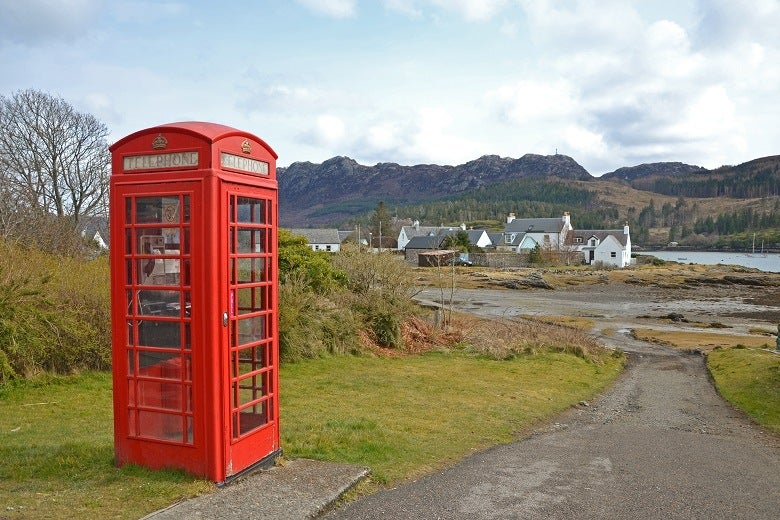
<point x="320" y="239"/>
<point x="416" y="230"/>
<point x="609" y="246"/>
<point x="523" y="234"/>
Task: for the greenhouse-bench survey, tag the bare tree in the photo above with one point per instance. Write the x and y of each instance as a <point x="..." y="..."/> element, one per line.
<point x="53" y="159"/>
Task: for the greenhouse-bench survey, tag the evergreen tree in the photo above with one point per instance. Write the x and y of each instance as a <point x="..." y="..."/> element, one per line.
<point x="380" y="223"/>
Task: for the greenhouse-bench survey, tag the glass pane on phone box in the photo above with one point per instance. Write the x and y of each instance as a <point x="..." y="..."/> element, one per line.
<point x="159" y="303"/>
<point x="251" y="240"/>
<point x="251" y="210"/>
<point x="159" y="271"/>
<point x="251" y="270"/>
<point x="251" y="330"/>
<point x="163" y="334"/>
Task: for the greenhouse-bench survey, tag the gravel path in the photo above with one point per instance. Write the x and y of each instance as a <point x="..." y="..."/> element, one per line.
<point x="660" y="444"/>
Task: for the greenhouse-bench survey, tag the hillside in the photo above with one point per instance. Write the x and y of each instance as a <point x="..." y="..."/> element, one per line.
<point x="662" y="201"/>
<point x="312" y="194"/>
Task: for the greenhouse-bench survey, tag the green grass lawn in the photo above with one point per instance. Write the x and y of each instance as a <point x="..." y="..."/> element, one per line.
<point x="750" y="379"/>
<point x="401" y="417"/>
<point x="57" y="452"/>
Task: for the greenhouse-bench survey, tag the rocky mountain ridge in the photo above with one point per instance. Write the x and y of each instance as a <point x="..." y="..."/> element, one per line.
<point x="312" y="194"/>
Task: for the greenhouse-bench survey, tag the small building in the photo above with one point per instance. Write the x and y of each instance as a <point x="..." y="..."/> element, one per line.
<point x="321" y="239"/>
<point x="523" y="234"/>
<point x="609" y="246"/>
<point x="436" y="258"/>
<point x="407" y="233"/>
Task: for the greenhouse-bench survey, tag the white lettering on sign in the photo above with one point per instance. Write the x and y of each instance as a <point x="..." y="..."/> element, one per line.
<point x="236" y="162"/>
<point x="160" y="161"/>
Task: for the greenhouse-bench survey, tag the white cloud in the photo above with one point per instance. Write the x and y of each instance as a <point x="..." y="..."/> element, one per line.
<point x="472" y="10"/>
<point x="711" y="114"/>
<point x="34" y="21"/>
<point x="331" y="8"/>
<point x="571" y="26"/>
<point x="725" y="22"/>
<point x="526" y="100"/>
<point x="584" y="142"/>
<point x="328" y="131"/>
<point x="384" y="137"/>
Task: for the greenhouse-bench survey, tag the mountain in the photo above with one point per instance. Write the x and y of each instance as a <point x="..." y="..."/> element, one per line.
<point x="323" y="194"/>
<point x="753" y="179"/>
<point x="311" y="194"/>
<point x="662" y="169"/>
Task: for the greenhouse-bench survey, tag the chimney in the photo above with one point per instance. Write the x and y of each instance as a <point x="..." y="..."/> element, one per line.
<point x="463" y="226"/>
<point x="416" y="224"/>
<point x="510" y="218"/>
<point x="566" y="218"/>
<point x="625" y="229"/>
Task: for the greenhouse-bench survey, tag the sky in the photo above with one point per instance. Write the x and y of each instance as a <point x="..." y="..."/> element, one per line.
<point x="610" y="83"/>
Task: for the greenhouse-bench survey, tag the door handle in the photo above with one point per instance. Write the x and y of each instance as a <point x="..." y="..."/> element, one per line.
<point x="224" y="319"/>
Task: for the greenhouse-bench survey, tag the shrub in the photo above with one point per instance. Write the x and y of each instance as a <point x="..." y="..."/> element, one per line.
<point x="381" y="286"/>
<point x="54" y="313"/>
<point x="310" y="325"/>
<point x="387" y="328"/>
<point x="313" y="268"/>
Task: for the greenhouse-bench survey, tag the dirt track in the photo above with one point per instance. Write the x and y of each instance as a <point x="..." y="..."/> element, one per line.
<point x="660" y="444"/>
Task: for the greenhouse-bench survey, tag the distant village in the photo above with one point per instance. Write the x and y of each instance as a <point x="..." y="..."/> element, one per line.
<point x="555" y="239"/>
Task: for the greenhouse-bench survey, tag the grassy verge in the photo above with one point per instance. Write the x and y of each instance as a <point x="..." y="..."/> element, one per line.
<point x="403" y="417"/>
<point x="704" y="341"/>
<point x="750" y="379"/>
<point x="57" y="451"/>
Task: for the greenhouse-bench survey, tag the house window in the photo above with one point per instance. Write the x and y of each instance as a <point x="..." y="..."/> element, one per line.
<point x="613" y="254"/>
<point x="578" y="240"/>
<point x="327" y="248"/>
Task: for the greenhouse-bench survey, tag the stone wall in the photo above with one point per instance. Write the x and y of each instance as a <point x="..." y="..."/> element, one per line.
<point x="499" y="260"/>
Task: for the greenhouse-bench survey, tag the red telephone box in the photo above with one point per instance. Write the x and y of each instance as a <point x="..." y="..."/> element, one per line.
<point x="194" y="299"/>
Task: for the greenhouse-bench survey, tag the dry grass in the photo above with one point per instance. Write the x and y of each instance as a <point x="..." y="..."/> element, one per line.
<point x="704" y="341"/>
<point x="505" y="339"/>
<point x="575" y="322"/>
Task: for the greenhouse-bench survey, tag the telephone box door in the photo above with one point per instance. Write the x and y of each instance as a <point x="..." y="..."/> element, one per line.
<point x="250" y="324"/>
<point x="158" y="364"/>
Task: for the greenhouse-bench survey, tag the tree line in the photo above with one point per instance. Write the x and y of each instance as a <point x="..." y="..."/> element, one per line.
<point x="742" y="184"/>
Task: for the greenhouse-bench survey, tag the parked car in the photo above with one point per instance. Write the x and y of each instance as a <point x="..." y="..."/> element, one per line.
<point x="461" y="261"/>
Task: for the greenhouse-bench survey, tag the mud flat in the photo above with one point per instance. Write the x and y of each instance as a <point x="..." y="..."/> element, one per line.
<point x="729" y="301"/>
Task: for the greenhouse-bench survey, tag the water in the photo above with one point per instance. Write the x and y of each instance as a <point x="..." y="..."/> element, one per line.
<point x="769" y="263"/>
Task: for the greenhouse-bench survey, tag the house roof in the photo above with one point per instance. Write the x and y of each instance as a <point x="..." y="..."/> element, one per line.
<point x="475" y="235"/>
<point x="497" y="239"/>
<point x="535" y="225"/>
<point x="425" y="242"/>
<point x="515" y="240"/>
<point x="601" y="234"/>
<point x="318" y="236"/>
<point x="416" y="231"/>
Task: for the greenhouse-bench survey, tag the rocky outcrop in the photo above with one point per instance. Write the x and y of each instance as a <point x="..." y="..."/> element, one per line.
<point x="345" y="187"/>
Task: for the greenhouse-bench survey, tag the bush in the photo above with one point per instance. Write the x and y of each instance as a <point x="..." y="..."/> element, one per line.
<point x="311" y="325"/>
<point x="381" y="286"/>
<point x="313" y="268"/>
<point x="54" y="313"/>
<point x="387" y="329"/>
